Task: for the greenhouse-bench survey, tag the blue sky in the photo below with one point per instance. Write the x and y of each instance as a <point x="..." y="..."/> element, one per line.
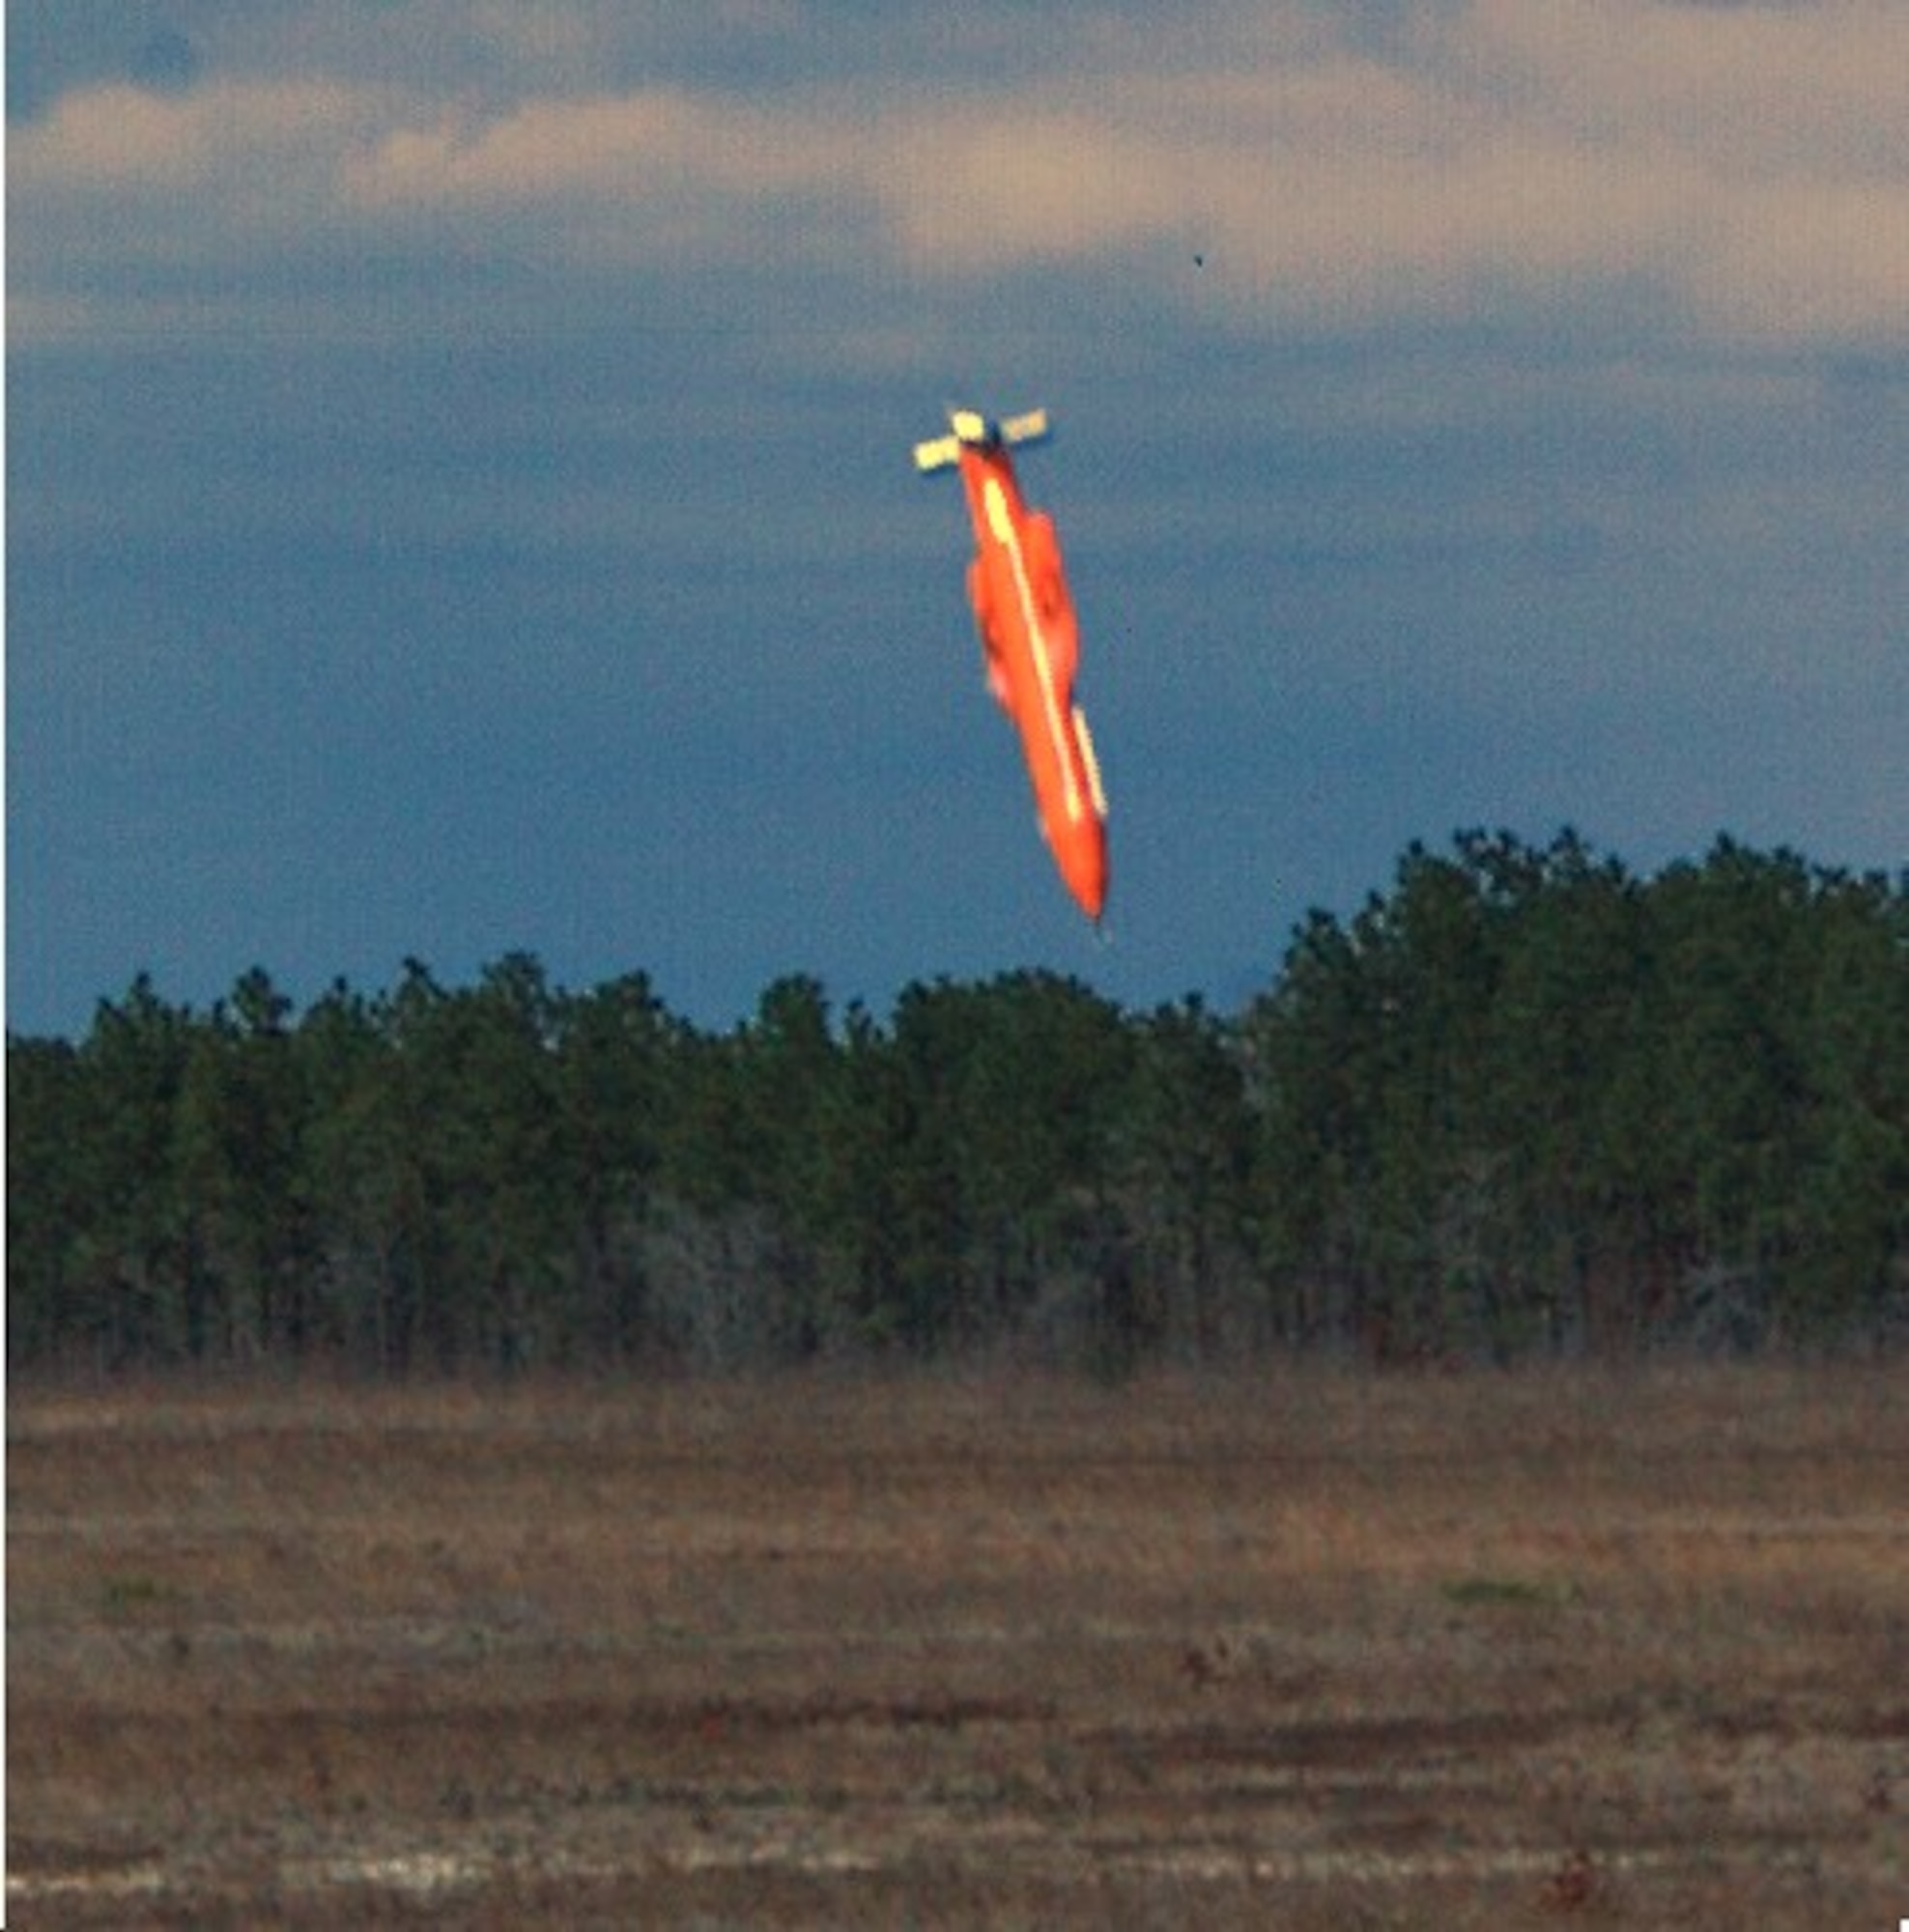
<point x="459" y="493"/>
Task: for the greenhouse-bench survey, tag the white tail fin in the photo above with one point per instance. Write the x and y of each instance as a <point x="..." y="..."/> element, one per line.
<point x="941" y="453"/>
<point x="970" y="429"/>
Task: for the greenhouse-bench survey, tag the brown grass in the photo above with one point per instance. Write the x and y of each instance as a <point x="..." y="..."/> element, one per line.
<point x="1298" y="1649"/>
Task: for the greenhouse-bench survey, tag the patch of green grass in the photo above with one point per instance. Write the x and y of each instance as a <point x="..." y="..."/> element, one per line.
<point x="126" y="1591"/>
<point x="1518" y="1593"/>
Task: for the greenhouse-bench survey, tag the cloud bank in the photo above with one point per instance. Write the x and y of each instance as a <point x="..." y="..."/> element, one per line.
<point x="1738" y="175"/>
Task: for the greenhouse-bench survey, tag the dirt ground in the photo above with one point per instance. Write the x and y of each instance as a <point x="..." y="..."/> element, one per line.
<point x="1298" y="1649"/>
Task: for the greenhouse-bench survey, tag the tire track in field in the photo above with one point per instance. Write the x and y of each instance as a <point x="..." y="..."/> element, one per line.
<point x="443" y="1867"/>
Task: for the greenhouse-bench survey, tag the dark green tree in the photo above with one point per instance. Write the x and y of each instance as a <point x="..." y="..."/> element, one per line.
<point x="355" y="1172"/>
<point x="1185" y="1157"/>
<point x="238" y="1130"/>
<point x="139" y="1294"/>
<point x="51" y="1201"/>
<point x="614" y="1052"/>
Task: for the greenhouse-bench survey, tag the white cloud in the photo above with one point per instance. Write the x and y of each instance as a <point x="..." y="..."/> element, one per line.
<point x="661" y="145"/>
<point x="118" y="140"/>
<point x="1744" y="172"/>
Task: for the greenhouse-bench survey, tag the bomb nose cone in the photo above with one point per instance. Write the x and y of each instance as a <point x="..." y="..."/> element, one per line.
<point x="1083" y="865"/>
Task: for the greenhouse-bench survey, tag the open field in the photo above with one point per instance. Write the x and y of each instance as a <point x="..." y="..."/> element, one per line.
<point x="1306" y="1649"/>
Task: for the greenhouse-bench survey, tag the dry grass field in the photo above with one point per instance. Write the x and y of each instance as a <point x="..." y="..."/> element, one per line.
<point x="1292" y="1649"/>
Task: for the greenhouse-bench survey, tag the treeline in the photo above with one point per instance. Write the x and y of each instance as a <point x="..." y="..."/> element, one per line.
<point x="1525" y="1102"/>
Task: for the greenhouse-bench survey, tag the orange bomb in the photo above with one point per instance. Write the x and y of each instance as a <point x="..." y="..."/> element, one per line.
<point x="1030" y="640"/>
